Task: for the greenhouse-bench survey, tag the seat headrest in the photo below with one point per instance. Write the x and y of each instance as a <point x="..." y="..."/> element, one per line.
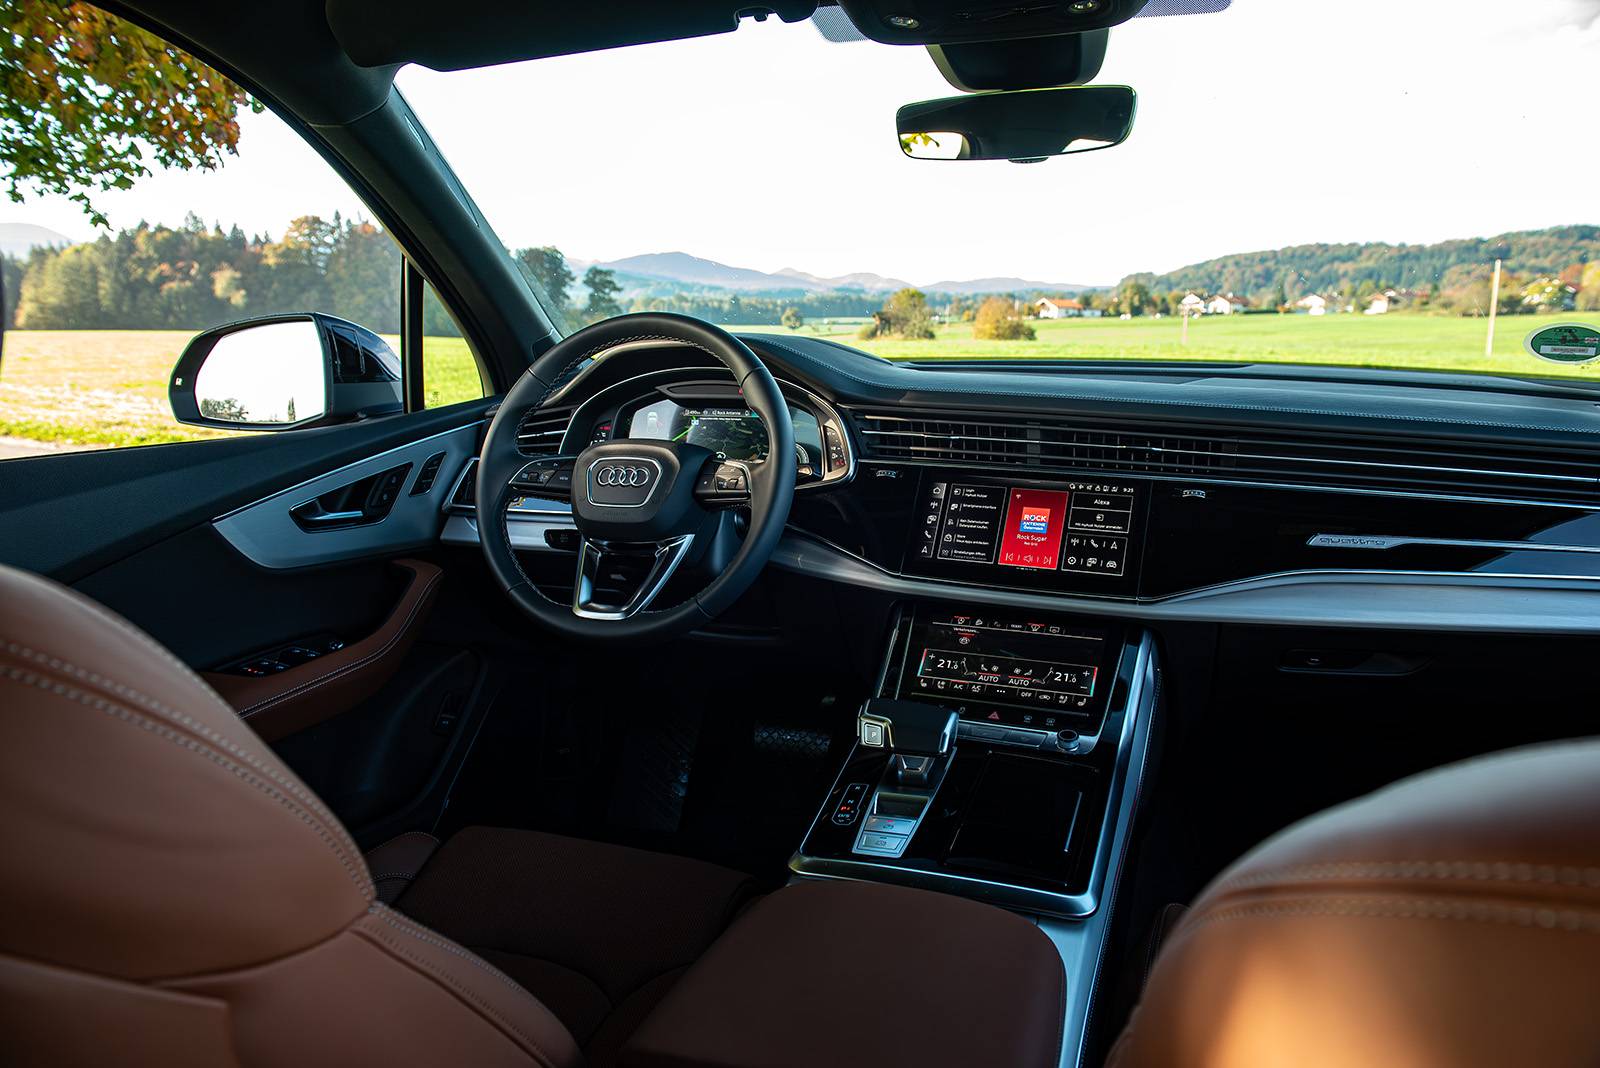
<point x="147" y="833"/>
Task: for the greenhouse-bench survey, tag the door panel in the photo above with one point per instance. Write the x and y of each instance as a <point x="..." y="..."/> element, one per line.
<point x="70" y="515"/>
<point x="281" y="532"/>
<point x="199" y="597"/>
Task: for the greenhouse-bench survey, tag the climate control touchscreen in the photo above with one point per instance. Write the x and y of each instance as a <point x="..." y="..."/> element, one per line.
<point x="1022" y="671"/>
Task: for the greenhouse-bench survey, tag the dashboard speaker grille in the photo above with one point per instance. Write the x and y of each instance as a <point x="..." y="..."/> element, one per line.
<point x="542" y="430"/>
<point x="1249" y="455"/>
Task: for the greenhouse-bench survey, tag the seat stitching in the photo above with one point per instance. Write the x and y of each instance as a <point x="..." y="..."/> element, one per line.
<point x="117" y="623"/>
<point x="388" y="916"/>
<point x="1467" y="871"/>
<point x="407" y="875"/>
<point x="383" y="650"/>
<point x="1528" y="916"/>
<point x="127" y="715"/>
<point x="411" y="927"/>
<point x="150" y="703"/>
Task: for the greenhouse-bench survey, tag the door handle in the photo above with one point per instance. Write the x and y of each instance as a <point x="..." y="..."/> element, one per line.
<point x="311" y="516"/>
<point x="368" y="500"/>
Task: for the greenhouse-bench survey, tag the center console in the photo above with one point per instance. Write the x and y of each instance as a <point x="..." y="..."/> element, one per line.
<point x="1000" y="760"/>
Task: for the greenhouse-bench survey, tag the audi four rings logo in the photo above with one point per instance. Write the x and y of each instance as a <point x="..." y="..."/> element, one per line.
<point x="622" y="475"/>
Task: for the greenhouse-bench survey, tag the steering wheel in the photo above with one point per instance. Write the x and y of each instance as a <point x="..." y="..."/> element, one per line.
<point x="649" y="506"/>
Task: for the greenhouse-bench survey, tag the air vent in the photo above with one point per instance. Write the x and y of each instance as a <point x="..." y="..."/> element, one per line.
<point x="466" y="489"/>
<point x="1038" y="443"/>
<point x="1248" y="455"/>
<point x="542" y="430"/>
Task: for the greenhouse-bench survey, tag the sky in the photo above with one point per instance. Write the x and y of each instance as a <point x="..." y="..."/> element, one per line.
<point x="1276" y="122"/>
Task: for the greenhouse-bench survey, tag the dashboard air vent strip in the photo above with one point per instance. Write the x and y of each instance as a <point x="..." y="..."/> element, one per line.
<point x="542" y="430"/>
<point x="1311" y="458"/>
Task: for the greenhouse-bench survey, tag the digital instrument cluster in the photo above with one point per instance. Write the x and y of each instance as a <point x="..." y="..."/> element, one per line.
<point x="735" y="432"/>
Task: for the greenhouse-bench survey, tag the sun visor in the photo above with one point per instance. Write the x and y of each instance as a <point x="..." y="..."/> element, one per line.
<point x="381" y="32"/>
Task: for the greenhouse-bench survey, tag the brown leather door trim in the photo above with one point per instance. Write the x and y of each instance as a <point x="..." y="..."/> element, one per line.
<point x="292" y="700"/>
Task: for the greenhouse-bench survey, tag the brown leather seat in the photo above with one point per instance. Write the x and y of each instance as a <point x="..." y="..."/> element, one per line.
<point x="173" y="895"/>
<point x="1450" y="919"/>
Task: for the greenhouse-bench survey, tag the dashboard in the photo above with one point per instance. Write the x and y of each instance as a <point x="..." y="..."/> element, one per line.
<point x="1148" y="496"/>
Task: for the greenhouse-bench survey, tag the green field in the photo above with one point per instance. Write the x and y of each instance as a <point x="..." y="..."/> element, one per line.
<point x="1403" y="341"/>
<point x="108" y="387"/>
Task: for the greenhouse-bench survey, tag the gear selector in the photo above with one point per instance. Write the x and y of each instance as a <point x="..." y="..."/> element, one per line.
<point x="917" y="736"/>
<point x="919" y="740"/>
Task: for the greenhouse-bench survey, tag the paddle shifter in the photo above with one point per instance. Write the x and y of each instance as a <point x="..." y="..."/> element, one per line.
<point x="917" y="736"/>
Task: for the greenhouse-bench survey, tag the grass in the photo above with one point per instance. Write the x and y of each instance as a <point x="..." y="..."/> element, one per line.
<point x="108" y="387"/>
<point x="1411" y="342"/>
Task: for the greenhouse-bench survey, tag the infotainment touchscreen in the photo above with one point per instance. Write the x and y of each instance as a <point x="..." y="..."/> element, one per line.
<point x="1082" y="534"/>
<point x="1041" y="672"/>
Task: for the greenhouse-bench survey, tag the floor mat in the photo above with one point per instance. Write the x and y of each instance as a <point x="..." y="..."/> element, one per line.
<point x="653" y="774"/>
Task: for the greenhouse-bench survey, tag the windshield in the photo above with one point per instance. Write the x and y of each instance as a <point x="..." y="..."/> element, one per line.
<point x="1355" y="184"/>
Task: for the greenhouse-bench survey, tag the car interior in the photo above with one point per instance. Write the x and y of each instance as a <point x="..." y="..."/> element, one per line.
<point x="710" y="698"/>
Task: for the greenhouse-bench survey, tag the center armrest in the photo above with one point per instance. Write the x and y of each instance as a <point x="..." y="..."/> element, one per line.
<point x="855" y="973"/>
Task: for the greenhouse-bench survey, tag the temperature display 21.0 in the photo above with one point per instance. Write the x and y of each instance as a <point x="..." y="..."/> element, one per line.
<point x="1006" y="678"/>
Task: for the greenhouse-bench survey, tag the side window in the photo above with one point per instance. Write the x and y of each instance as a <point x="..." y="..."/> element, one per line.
<point x="450" y="371"/>
<point x="112" y="263"/>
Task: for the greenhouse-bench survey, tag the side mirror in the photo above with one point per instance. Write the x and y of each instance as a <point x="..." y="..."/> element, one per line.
<point x="1025" y="126"/>
<point x="283" y="372"/>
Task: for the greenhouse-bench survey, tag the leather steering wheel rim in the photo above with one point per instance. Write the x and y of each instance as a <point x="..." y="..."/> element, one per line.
<point x="771" y="482"/>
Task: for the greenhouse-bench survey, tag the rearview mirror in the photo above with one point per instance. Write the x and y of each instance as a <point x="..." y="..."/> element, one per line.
<point x="1024" y="126"/>
<point x="283" y="372"/>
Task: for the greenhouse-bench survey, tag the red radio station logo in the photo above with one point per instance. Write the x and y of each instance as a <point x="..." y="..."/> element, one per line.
<point x="1035" y="521"/>
<point x="1032" y="535"/>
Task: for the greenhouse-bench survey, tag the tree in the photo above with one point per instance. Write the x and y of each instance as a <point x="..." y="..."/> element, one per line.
<point x="10" y="288"/>
<point x="87" y="98"/>
<point x="961" y="309"/>
<point x="1133" y="297"/>
<point x="1589" y="288"/>
<point x="999" y="320"/>
<point x="61" y="291"/>
<point x="547" y="268"/>
<point x="792" y="319"/>
<point x="228" y="408"/>
<point x="906" y="315"/>
<point x="363" y="277"/>
<point x="603" y="292"/>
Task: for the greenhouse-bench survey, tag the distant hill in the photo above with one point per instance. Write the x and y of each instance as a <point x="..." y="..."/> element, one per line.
<point x="687" y="273"/>
<point x="866" y="280"/>
<point x="16" y="239"/>
<point x="975" y="286"/>
<point x="1336" y="268"/>
<point x="682" y="267"/>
